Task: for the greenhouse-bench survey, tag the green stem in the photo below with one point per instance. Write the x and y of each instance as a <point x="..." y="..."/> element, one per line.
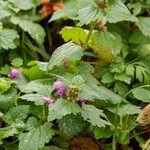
<point x="89" y="35"/>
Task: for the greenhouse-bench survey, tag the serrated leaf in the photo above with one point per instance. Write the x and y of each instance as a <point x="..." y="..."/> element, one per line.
<point x="71" y="125"/>
<point x="141" y="94"/>
<point x="4" y="12"/>
<point x="23" y="4"/>
<point x="143" y="23"/>
<point x="11" y="130"/>
<point x="130" y="70"/>
<point x="107" y="78"/>
<point x="68" y="50"/>
<point x="36" y="137"/>
<point x="75" y="34"/>
<point x="90" y="14"/>
<point x="35" y="30"/>
<point x="118" y="12"/>
<point x="69" y="11"/>
<point x="16" y="113"/>
<point x="123" y="77"/>
<point x="91" y="91"/>
<point x="100" y="45"/>
<point x="93" y="115"/>
<point x="62" y="108"/>
<point x="7" y="37"/>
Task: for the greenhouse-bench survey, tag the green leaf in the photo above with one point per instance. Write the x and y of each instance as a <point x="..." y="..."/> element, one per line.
<point x="17" y="62"/>
<point x="123" y="77"/>
<point x="68" y="50"/>
<point x="11" y="130"/>
<point x="51" y="148"/>
<point x="143" y="23"/>
<point x="91" y="91"/>
<point x="36" y="137"/>
<point x="141" y="94"/>
<point x="71" y="125"/>
<point x="107" y="78"/>
<point x="23" y="4"/>
<point x="104" y="50"/>
<point x="16" y="113"/>
<point x="93" y="115"/>
<point x="4" y="11"/>
<point x="7" y="37"/>
<point x="75" y="34"/>
<point x="118" y="12"/>
<point x="130" y="70"/>
<point x="102" y="133"/>
<point x="7" y="98"/>
<point x="62" y="108"/>
<point x="69" y="11"/>
<point x="90" y="14"/>
<point x="35" y="30"/>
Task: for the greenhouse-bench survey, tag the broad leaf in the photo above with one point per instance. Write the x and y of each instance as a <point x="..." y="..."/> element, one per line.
<point x="68" y="50"/>
<point x="93" y="115"/>
<point x="62" y="108"/>
<point x="36" y="137"/>
<point x="16" y="113"/>
<point x="75" y="34"/>
<point x="7" y="37"/>
<point x="119" y="12"/>
<point x="23" y="4"/>
<point x="71" y="125"/>
<point x="90" y="14"/>
<point x="106" y="52"/>
<point x="34" y="29"/>
<point x="144" y="23"/>
<point x="141" y="94"/>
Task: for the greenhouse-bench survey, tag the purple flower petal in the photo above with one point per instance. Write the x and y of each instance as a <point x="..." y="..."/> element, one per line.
<point x="14" y="74"/>
<point x="57" y="84"/>
<point x="62" y="91"/>
<point x="48" y="100"/>
<point x="66" y="63"/>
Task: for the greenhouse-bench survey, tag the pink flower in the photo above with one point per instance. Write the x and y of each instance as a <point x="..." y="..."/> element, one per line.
<point x="47" y="99"/>
<point x="62" y="91"/>
<point x="14" y="74"/>
<point x="57" y="84"/>
<point x="66" y="63"/>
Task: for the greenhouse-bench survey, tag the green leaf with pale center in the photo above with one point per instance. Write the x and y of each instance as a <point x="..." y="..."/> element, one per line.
<point x="35" y="30"/>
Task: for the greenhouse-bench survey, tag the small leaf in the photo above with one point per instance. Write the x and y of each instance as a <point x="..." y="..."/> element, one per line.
<point x="75" y="34"/>
<point x="68" y="50"/>
<point x="91" y="114"/>
<point x="17" y="62"/>
<point x="141" y="94"/>
<point x="61" y="108"/>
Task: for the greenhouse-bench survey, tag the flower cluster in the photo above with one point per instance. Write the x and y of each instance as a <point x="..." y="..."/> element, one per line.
<point x="14" y="74"/>
<point x="61" y="90"/>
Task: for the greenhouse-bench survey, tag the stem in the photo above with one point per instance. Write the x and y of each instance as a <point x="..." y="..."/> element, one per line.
<point x="89" y="34"/>
<point x="146" y="145"/>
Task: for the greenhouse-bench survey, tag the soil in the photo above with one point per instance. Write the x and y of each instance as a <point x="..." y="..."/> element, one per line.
<point x="83" y="143"/>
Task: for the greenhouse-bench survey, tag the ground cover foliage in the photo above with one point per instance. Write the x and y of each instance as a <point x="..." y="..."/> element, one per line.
<point x="74" y="69"/>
